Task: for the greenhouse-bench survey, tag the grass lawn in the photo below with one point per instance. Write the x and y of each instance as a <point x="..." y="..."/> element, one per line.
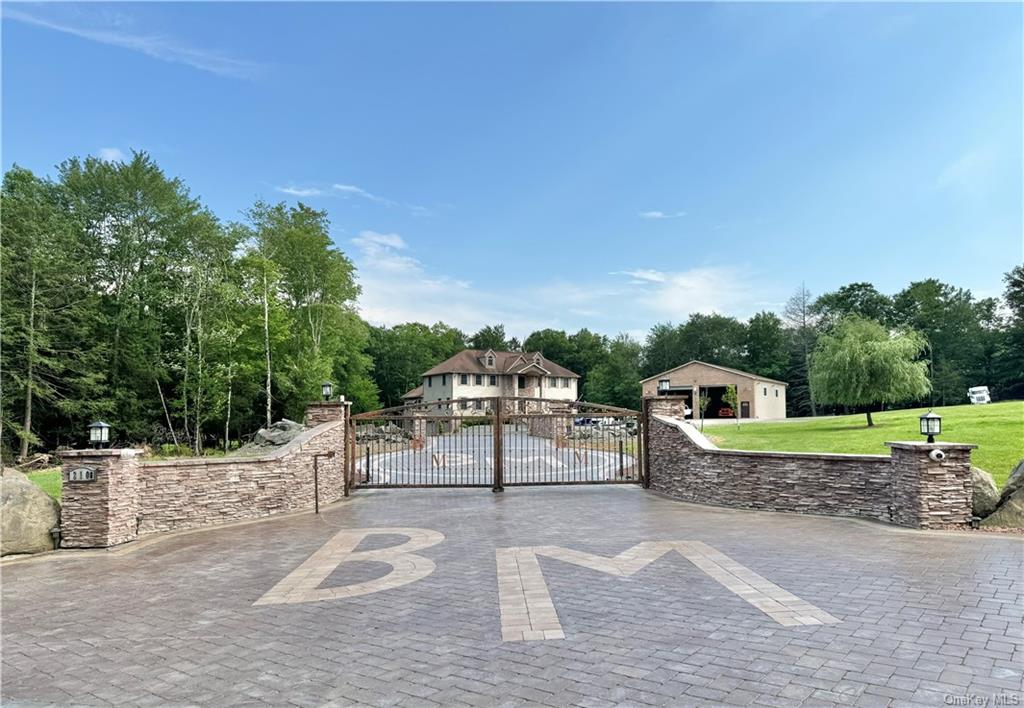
<point x="48" y="481"/>
<point x="997" y="429"/>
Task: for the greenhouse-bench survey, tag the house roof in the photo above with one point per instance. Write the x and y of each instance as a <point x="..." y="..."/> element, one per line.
<point x="415" y="393"/>
<point x="471" y="361"/>
<point x="744" y="374"/>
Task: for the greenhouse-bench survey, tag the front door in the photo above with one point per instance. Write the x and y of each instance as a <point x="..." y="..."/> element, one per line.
<point x="744" y="409"/>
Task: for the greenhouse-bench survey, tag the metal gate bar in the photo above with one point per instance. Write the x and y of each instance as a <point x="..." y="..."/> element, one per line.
<point x="496" y="442"/>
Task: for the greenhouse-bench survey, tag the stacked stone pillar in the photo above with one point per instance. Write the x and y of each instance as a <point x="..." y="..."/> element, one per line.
<point x="103" y="512"/>
<point x="931" y="483"/>
<point x="326" y="411"/>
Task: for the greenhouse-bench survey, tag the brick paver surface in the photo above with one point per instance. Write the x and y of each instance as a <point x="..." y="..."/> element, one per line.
<point x="923" y="619"/>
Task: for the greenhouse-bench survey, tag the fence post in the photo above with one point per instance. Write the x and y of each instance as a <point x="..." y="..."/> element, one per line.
<point x="499" y="472"/>
<point x="645" y="438"/>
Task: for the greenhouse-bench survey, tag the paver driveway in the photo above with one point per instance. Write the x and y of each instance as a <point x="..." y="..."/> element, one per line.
<point x="924" y="619"/>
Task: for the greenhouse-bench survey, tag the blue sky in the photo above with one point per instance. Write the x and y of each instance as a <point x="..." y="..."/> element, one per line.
<point x="564" y="165"/>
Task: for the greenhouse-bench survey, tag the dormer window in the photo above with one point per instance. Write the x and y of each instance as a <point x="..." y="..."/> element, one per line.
<point x="490" y="362"/>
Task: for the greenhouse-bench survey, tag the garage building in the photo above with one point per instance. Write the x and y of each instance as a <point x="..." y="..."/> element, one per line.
<point x="760" y="397"/>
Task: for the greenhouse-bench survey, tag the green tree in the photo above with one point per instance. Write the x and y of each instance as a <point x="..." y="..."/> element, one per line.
<point x="1008" y="357"/>
<point x="663" y="349"/>
<point x="860" y="299"/>
<point x="732" y="399"/>
<point x="490" y="337"/>
<point x="767" y="346"/>
<point x="859" y="363"/>
<point x="616" y="380"/>
<point x="552" y="343"/>
<point x="803" y="330"/>
<point x="402" y="353"/>
<point x="950" y="320"/>
<point x="47" y="311"/>
<point x="714" y="338"/>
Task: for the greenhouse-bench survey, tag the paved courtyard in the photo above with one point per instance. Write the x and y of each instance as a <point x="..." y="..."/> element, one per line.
<point x="559" y="596"/>
<point x="467" y="456"/>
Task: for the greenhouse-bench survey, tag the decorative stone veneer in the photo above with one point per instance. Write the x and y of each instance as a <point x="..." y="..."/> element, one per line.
<point x="104" y="512"/>
<point x="326" y="411"/>
<point x="672" y="406"/>
<point x="906" y="488"/>
<point x="131" y="497"/>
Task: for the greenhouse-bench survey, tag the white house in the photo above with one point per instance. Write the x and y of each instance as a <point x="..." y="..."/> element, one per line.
<point x="476" y="374"/>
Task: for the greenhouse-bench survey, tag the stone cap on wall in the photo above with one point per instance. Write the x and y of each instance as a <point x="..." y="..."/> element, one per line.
<point x="700" y="440"/>
<point x="294" y="445"/>
<point x="921" y="445"/>
<point x="103" y="452"/>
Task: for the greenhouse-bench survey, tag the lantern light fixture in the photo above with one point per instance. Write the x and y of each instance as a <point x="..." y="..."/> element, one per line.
<point x="326" y="388"/>
<point x="931" y="425"/>
<point x="99" y="434"/>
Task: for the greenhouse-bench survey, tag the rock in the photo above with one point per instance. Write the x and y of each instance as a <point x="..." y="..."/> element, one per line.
<point x="280" y="433"/>
<point x="28" y="514"/>
<point x="1010" y="513"/>
<point x="986" y="493"/>
<point x="1016" y="480"/>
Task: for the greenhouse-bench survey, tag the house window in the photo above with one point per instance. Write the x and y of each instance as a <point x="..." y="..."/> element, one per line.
<point x="494" y="380"/>
<point x="663" y="385"/>
<point x="478" y="380"/>
<point x="776" y="393"/>
<point x="444" y="379"/>
<point x="465" y="405"/>
<point x="430" y="382"/>
<point x="490" y="361"/>
<point x="478" y="405"/>
<point x="766" y="390"/>
<point x="565" y="383"/>
<point x="463" y="379"/>
<point x="552" y="381"/>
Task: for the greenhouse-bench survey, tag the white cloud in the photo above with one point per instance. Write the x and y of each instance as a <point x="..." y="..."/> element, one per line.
<point x="111" y="30"/>
<point x="111" y="154"/>
<point x="300" y="191"/>
<point x="661" y="214"/>
<point x="398" y="287"/>
<point x="347" y="190"/>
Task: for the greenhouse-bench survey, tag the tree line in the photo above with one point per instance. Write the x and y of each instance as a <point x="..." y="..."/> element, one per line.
<point x="125" y="299"/>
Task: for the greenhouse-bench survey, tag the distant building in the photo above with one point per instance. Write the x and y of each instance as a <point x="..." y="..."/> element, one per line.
<point x="760" y="397"/>
<point x="473" y="373"/>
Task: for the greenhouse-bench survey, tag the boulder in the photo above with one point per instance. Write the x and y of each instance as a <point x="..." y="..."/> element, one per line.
<point x="986" y="493"/>
<point x="1010" y="513"/>
<point x="280" y="433"/>
<point x="1016" y="480"/>
<point x="28" y="513"/>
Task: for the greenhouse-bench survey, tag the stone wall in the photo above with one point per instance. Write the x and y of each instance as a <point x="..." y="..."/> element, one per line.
<point x="906" y="488"/>
<point x="103" y="512"/>
<point x="325" y="411"/>
<point x="180" y="494"/>
<point x="131" y="497"/>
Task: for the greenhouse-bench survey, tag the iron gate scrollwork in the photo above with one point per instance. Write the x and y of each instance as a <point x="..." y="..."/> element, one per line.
<point x="496" y="442"/>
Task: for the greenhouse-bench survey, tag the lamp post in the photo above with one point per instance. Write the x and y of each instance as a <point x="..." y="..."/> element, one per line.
<point x="931" y="425"/>
<point x="326" y="388"/>
<point x="99" y="434"/>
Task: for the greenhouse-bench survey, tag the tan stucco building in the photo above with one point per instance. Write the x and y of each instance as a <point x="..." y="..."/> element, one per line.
<point x="476" y="374"/>
<point x="760" y="397"/>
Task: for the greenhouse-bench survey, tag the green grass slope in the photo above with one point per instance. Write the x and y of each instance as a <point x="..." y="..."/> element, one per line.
<point x="997" y="429"/>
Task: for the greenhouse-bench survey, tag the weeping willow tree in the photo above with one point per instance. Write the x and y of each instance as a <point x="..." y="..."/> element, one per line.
<point x="860" y="363"/>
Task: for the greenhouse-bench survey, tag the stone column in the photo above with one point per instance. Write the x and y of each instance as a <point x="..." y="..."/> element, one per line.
<point x="321" y="412"/>
<point x="103" y="512"/>
<point x="929" y="492"/>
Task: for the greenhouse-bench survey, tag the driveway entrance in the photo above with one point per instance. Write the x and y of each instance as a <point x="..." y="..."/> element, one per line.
<point x="497" y="442"/>
<point x="638" y="584"/>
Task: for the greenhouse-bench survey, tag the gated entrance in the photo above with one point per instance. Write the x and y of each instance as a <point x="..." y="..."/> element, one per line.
<point x="496" y="442"/>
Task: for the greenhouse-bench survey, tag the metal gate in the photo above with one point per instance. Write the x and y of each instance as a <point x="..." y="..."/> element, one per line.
<point x="496" y="442"/>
